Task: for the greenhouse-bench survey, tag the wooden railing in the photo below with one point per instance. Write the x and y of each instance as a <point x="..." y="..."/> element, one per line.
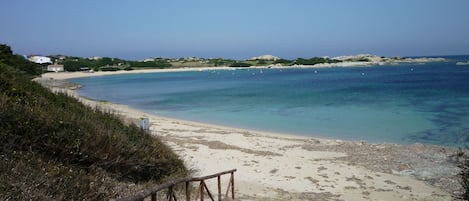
<point x="201" y="190"/>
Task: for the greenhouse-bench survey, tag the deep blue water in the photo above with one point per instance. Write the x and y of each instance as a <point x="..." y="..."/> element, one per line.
<point x="408" y="103"/>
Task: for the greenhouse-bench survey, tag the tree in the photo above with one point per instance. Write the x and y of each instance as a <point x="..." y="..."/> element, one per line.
<point x="5" y="51"/>
<point x="17" y="61"/>
<point x="75" y="65"/>
<point x="105" y="61"/>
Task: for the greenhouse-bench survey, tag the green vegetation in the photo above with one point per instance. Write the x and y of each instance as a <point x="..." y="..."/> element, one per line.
<point x="361" y="59"/>
<point x="259" y="62"/>
<point x="157" y="63"/>
<point x="22" y="65"/>
<point x="284" y="62"/>
<point x="221" y="62"/>
<point x="240" y="64"/>
<point x="114" y="64"/>
<point x="55" y="148"/>
<point x="72" y="64"/>
<point x="314" y="60"/>
<point x="109" y="68"/>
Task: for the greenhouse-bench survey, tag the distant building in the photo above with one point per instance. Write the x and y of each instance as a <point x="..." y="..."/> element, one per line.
<point x="149" y="60"/>
<point x="40" y="59"/>
<point x="94" y="58"/>
<point x="55" y="68"/>
<point x="265" y="57"/>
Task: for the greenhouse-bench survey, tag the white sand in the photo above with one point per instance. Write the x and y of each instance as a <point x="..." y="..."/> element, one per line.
<point x="272" y="166"/>
<point x="70" y="75"/>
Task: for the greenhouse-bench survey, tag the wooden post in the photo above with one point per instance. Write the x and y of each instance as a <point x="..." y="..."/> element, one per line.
<point x="188" y="191"/>
<point x="232" y="186"/>
<point x="219" y="188"/>
<point x="152" y="193"/>
<point x="208" y="192"/>
<point x="201" y="187"/>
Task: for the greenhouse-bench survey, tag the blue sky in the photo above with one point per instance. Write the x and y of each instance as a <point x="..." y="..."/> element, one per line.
<point x="235" y="29"/>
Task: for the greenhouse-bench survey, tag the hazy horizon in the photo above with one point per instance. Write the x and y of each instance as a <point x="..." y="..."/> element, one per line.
<point x="235" y="30"/>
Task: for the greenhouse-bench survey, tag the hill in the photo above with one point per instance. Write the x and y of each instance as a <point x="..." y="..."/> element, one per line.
<point x="55" y="148"/>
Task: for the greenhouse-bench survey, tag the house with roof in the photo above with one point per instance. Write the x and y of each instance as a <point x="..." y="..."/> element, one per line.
<point x="40" y="59"/>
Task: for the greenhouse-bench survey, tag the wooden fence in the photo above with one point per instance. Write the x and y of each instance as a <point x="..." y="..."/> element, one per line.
<point x="200" y="193"/>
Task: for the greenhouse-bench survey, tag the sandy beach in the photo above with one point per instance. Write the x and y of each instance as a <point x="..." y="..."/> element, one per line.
<point x="273" y="166"/>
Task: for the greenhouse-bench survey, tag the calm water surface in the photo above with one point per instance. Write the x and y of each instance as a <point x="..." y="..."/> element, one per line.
<point x="409" y="103"/>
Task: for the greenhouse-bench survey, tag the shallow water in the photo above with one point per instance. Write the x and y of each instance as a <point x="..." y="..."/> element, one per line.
<point x="409" y="103"/>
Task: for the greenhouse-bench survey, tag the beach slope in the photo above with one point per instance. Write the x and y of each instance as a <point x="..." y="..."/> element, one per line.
<point x="272" y="166"/>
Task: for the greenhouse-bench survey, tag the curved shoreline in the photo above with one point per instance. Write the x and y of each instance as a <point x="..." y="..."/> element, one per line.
<point x="291" y="167"/>
<point x="71" y="75"/>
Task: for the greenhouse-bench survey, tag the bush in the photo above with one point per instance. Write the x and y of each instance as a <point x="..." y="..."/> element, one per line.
<point x="109" y="68"/>
<point x="314" y="60"/>
<point x="21" y="65"/>
<point x="240" y="64"/>
<point x="153" y="64"/>
<point x="283" y="62"/>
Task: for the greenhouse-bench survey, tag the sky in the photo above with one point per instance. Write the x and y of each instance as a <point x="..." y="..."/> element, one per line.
<point x="235" y="29"/>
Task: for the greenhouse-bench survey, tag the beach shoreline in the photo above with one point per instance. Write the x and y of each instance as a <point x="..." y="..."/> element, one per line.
<point x="80" y="74"/>
<point x="273" y="166"/>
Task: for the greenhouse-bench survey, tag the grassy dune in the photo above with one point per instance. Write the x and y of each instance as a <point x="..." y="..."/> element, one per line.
<point x="54" y="147"/>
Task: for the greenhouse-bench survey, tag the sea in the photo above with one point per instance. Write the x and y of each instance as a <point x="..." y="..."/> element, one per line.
<point x="404" y="104"/>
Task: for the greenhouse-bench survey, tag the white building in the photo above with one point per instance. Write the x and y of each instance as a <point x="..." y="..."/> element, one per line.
<point x="40" y="59"/>
<point x="267" y="57"/>
<point x="55" y="68"/>
<point x="149" y="60"/>
<point x="95" y="58"/>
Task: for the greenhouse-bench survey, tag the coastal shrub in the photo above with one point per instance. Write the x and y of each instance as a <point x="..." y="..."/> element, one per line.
<point x="361" y="59"/>
<point x="284" y="62"/>
<point x="261" y="62"/>
<point x="55" y="148"/>
<point x="240" y="64"/>
<point x="152" y="64"/>
<point x="221" y="62"/>
<point x="109" y="68"/>
<point x="75" y="65"/>
<point x="314" y="61"/>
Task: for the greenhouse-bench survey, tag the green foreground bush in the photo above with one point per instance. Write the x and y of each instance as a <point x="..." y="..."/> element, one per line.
<point x="54" y="147"/>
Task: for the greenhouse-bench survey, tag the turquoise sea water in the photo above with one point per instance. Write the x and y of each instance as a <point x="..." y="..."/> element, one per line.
<point x="408" y="103"/>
